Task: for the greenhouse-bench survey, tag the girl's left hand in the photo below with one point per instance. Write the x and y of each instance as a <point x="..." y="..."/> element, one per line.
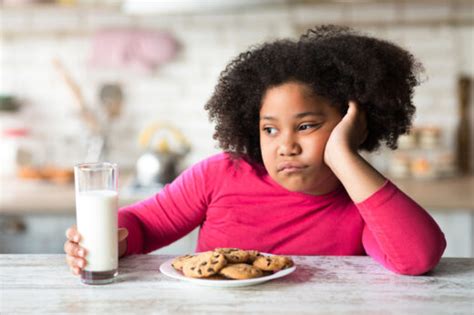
<point x="348" y="134"/>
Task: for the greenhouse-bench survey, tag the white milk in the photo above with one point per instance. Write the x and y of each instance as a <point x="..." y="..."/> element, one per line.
<point x="96" y="214"/>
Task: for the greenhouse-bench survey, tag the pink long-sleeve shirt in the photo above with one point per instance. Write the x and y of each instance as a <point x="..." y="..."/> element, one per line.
<point x="241" y="206"/>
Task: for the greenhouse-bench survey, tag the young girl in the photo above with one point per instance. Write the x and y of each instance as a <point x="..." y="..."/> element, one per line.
<point x="291" y="118"/>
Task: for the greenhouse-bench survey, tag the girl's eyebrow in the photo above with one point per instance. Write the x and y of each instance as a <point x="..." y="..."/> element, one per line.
<point x="299" y="115"/>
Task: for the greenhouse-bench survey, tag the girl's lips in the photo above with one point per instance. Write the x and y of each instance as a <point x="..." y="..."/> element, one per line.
<point x="291" y="170"/>
<point x="290" y="167"/>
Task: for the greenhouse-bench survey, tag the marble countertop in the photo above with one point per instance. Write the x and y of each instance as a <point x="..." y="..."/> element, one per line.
<point x="43" y="284"/>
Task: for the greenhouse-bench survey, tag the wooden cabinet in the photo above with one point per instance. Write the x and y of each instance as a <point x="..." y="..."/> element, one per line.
<point x="34" y="233"/>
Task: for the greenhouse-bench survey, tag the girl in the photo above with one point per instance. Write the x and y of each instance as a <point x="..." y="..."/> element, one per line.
<point x="291" y="118"/>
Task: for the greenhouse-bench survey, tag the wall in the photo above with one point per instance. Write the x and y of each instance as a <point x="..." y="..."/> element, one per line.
<point x="439" y="34"/>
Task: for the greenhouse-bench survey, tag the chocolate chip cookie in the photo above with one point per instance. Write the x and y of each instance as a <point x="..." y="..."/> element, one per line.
<point x="241" y="271"/>
<point x="233" y="255"/>
<point x="204" y="265"/>
<point x="178" y="262"/>
<point x="272" y="263"/>
<point x="253" y="254"/>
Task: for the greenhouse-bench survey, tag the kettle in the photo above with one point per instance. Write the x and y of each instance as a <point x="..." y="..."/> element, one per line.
<point x="163" y="147"/>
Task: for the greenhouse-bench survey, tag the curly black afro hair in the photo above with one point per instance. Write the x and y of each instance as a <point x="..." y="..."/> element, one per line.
<point x="337" y="63"/>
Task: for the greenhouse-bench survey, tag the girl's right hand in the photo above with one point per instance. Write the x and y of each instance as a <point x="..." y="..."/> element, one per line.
<point x="75" y="254"/>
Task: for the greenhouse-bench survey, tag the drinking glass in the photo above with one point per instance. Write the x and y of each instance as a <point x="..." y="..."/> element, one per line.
<point x="97" y="223"/>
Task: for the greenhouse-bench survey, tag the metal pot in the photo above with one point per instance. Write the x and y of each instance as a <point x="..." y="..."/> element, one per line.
<point x="156" y="168"/>
<point x="164" y="147"/>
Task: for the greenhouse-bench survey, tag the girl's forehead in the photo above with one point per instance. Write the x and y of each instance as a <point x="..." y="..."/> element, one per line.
<point x="292" y="96"/>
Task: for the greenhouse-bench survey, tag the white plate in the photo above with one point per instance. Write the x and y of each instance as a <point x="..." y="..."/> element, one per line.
<point x="167" y="269"/>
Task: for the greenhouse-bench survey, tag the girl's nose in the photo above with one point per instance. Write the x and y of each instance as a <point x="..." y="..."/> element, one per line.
<point x="289" y="147"/>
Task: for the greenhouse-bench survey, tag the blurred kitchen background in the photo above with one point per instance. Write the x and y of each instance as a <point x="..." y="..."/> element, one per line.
<point x="126" y="81"/>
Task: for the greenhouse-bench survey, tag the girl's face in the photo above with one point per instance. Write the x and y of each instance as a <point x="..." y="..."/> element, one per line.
<point x="294" y="128"/>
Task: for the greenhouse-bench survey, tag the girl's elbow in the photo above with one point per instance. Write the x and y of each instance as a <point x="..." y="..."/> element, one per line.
<point x="415" y="270"/>
<point x="425" y="262"/>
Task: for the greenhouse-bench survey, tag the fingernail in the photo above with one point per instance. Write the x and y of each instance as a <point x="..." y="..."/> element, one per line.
<point x="81" y="263"/>
<point x="76" y="238"/>
<point x="81" y="253"/>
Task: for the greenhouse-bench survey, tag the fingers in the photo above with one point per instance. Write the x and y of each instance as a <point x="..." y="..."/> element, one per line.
<point x="75" y="264"/>
<point x="352" y="104"/>
<point x="75" y="257"/>
<point x="359" y="118"/>
<point x="75" y="254"/>
<point x="122" y="234"/>
<point x="72" y="234"/>
<point x="354" y="109"/>
<point x="73" y="249"/>
<point x="352" y="112"/>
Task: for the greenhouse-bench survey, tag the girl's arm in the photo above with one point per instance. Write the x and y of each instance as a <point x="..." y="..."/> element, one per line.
<point x="359" y="178"/>
<point x="399" y="233"/>
<point x="172" y="213"/>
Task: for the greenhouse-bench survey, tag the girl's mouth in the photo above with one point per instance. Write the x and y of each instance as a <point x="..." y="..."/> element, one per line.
<point x="290" y="167"/>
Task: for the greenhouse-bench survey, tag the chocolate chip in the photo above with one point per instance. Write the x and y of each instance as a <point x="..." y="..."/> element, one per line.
<point x="210" y="270"/>
<point x="199" y="271"/>
<point x="192" y="268"/>
<point x="204" y="263"/>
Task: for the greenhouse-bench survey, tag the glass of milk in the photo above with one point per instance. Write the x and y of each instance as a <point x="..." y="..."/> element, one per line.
<point x="96" y="215"/>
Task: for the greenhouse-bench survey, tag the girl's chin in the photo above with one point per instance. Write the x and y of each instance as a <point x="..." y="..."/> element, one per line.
<point x="305" y="188"/>
<point x="296" y="187"/>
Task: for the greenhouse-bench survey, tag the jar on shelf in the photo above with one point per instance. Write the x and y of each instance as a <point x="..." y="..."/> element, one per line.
<point x="423" y="167"/>
<point x="399" y="165"/>
<point x="14" y="150"/>
<point x="446" y="164"/>
<point x="429" y="137"/>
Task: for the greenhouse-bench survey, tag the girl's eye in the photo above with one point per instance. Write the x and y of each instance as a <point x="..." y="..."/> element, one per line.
<point x="307" y="126"/>
<point x="270" y="130"/>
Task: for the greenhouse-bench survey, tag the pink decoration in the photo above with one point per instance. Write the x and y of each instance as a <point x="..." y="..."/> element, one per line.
<point x="138" y="50"/>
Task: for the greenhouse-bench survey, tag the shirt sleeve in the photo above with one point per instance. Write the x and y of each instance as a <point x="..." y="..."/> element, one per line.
<point x="167" y="216"/>
<point x="399" y="233"/>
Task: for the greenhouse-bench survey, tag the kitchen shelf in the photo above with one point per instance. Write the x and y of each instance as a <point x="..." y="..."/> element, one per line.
<point x="47" y="7"/>
<point x="20" y="196"/>
<point x="77" y="27"/>
<point x="26" y="197"/>
<point x="454" y="193"/>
